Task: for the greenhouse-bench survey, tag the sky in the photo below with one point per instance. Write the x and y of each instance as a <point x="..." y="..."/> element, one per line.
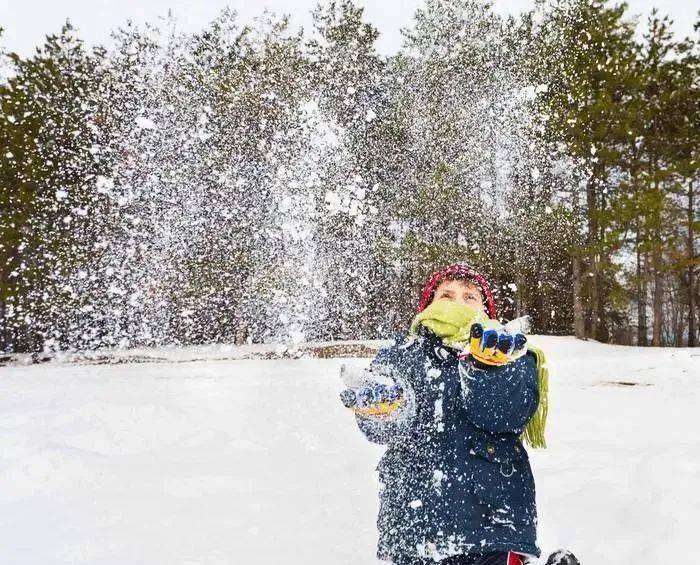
<point x="26" y="22"/>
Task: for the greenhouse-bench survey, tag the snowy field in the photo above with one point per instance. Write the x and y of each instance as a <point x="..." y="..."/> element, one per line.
<point x="255" y="462"/>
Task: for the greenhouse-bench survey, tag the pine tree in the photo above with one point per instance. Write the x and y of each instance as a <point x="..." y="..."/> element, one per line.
<point x="685" y="111"/>
<point x="587" y="49"/>
<point x="51" y="139"/>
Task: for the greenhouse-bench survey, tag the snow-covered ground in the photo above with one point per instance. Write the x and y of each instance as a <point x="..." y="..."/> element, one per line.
<point x="255" y="462"/>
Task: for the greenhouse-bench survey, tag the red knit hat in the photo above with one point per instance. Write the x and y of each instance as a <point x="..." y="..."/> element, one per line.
<point x="461" y="270"/>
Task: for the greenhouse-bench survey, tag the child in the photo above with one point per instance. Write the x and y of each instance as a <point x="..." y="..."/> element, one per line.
<point x="456" y="480"/>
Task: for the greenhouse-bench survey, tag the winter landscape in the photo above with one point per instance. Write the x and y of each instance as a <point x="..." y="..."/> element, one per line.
<point x="202" y="458"/>
<point x="202" y="221"/>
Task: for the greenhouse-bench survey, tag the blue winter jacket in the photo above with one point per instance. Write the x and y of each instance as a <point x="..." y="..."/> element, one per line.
<point x="455" y="477"/>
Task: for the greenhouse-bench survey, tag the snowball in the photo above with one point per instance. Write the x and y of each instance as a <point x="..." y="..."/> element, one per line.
<point x="144" y="123"/>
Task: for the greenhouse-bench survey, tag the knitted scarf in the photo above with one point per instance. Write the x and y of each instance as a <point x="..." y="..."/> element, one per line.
<point x="451" y="321"/>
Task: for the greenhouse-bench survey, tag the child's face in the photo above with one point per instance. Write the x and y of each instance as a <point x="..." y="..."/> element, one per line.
<point x="460" y="291"/>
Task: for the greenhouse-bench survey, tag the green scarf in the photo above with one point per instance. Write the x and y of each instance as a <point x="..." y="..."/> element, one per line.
<point x="451" y="321"/>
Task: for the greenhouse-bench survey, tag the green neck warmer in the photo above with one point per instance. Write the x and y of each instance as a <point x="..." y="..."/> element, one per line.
<point x="452" y="321"/>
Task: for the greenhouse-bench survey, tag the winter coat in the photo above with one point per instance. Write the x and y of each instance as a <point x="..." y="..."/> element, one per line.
<point x="455" y="477"/>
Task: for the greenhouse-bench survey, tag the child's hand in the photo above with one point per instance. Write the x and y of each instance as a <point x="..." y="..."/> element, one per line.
<point x="379" y="400"/>
<point x="494" y="345"/>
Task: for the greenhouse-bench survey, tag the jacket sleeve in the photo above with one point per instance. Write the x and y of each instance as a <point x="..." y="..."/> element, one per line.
<point x="383" y="430"/>
<point x="500" y="399"/>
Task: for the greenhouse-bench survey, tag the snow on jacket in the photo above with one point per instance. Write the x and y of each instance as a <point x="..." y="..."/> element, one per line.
<point x="455" y="477"/>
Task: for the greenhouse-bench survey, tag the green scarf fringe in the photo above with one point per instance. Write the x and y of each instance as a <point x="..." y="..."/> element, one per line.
<point x="534" y="431"/>
<point x="451" y="321"/>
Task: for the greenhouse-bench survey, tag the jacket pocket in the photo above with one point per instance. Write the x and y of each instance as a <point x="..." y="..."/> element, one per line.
<point x="502" y="478"/>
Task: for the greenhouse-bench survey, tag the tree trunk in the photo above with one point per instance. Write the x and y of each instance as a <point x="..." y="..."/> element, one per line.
<point x="658" y="299"/>
<point x="4" y="330"/>
<point x="657" y="260"/>
<point x="678" y="320"/>
<point x="691" y="269"/>
<point x="601" y="289"/>
<point x="579" y="323"/>
<point x="641" y="300"/>
<point x="537" y="301"/>
<point x="591" y="278"/>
